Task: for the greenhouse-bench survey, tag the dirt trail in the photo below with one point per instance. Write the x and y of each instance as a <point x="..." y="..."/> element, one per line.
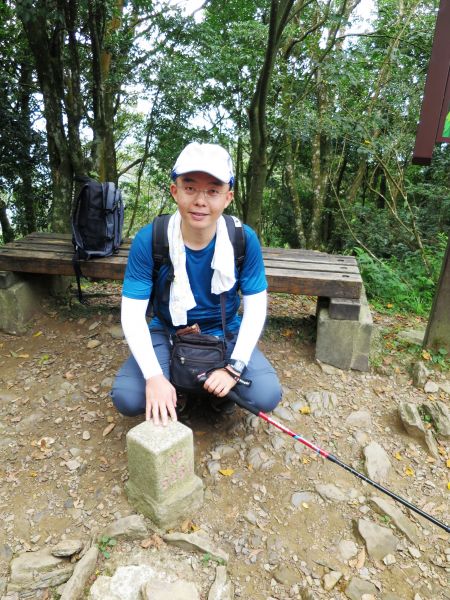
<point x="63" y="460"/>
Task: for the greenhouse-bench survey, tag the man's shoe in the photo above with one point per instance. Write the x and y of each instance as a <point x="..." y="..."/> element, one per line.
<point x="223" y="406"/>
<point x="183" y="406"/>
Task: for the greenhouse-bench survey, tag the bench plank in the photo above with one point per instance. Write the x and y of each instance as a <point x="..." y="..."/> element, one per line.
<point x="292" y="271"/>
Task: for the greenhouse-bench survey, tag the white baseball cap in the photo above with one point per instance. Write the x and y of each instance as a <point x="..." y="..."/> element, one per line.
<point x="207" y="158"/>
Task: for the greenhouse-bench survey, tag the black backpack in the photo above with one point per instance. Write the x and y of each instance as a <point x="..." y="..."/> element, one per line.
<point x="97" y="222"/>
<point x="160" y="247"/>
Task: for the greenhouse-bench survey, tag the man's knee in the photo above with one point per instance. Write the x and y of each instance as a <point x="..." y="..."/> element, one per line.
<point x="270" y="398"/>
<point x="126" y="398"/>
<point x="264" y="393"/>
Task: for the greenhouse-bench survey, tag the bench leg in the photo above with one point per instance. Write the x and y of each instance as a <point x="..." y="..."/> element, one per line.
<point x="21" y="296"/>
<point x="345" y="343"/>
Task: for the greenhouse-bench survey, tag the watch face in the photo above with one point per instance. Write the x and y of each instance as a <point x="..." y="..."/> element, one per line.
<point x="238" y="365"/>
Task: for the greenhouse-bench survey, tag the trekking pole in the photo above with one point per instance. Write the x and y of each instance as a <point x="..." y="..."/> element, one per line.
<point x="232" y="395"/>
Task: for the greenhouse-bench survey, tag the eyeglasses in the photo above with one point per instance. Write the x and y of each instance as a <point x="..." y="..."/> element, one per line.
<point x="210" y="193"/>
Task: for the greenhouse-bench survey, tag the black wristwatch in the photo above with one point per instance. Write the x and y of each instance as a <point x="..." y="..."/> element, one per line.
<point x="237" y="365"/>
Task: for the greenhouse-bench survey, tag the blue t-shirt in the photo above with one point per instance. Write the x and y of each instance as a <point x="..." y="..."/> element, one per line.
<point x="138" y="282"/>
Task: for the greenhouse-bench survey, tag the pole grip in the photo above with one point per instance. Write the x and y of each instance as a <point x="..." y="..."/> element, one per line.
<point x="234" y="397"/>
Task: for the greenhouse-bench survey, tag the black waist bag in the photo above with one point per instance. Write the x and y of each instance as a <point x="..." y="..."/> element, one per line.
<point x="192" y="354"/>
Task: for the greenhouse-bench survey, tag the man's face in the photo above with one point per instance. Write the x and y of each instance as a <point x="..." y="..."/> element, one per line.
<point x="201" y="199"/>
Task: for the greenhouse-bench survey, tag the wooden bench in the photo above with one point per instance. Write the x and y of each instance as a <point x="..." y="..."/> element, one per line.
<point x="334" y="279"/>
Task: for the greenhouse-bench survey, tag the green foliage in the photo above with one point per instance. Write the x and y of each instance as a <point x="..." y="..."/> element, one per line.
<point x="105" y="545"/>
<point x="207" y="558"/>
<point x="438" y="357"/>
<point x="403" y="285"/>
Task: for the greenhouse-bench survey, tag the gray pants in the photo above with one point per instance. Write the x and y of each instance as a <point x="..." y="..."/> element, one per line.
<point x="128" y="392"/>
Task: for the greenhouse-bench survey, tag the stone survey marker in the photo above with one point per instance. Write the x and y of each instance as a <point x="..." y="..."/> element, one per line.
<point x="162" y="484"/>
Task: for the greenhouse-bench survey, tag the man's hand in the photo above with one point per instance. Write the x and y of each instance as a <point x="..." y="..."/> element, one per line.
<point x="160" y="400"/>
<point x="219" y="383"/>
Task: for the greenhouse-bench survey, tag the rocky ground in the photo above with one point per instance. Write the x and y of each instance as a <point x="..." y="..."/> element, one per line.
<point x="278" y="521"/>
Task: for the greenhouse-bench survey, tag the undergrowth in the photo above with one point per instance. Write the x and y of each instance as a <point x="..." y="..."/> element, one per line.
<point x="403" y="285"/>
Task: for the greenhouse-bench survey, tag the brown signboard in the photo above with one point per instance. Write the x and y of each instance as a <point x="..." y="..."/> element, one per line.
<point x="434" y="124"/>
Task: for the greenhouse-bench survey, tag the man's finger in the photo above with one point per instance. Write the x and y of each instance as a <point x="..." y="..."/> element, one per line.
<point x="172" y="411"/>
<point x="163" y="411"/>
<point x="155" y="413"/>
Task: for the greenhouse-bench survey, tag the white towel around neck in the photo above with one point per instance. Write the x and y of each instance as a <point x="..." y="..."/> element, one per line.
<point x="223" y="279"/>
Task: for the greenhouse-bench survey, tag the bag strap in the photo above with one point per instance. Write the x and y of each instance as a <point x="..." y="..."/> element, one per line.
<point x="237" y="238"/>
<point x="109" y="196"/>
<point x="78" y="275"/>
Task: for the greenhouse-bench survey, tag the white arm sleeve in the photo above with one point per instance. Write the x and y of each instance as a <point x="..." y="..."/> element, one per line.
<point x="137" y="334"/>
<point x="255" y="309"/>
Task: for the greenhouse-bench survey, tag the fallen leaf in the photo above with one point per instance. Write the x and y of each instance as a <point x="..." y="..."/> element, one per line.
<point x="188" y="526"/>
<point x="15" y="355"/>
<point x="305" y="505"/>
<point x="426" y="355"/>
<point x="305" y="410"/>
<point x="448" y="485"/>
<point x="306" y="460"/>
<point x="288" y="333"/>
<point x="389" y="305"/>
<point x="448" y="463"/>
<point x="398" y="456"/>
<point x="154" y="540"/>
<point x="108" y="429"/>
<point x="69" y="375"/>
<point x="226" y="472"/>
<point x="409" y="472"/>
<point x="37" y="334"/>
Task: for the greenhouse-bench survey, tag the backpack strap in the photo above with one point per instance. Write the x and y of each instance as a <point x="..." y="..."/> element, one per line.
<point x="237" y="237"/>
<point x="160" y="243"/>
<point x="161" y="256"/>
<point x="109" y="196"/>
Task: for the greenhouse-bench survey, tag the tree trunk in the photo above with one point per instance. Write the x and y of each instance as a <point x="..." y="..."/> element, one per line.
<point x="294" y="194"/>
<point x="403" y="21"/>
<point x="279" y="13"/>
<point x="7" y="230"/>
<point x="25" y="195"/>
<point x="319" y="164"/>
<point x="47" y="52"/>
<point x="103" y="88"/>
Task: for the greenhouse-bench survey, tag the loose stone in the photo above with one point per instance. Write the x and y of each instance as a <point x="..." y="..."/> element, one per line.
<point x="161" y="590"/>
<point x="331" y="579"/>
<point x="132" y="527"/>
<point x="378" y="465"/>
<point x="196" y="541"/>
<point x="67" y="548"/>
<point x="222" y="588"/>
<point x="379" y="540"/>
